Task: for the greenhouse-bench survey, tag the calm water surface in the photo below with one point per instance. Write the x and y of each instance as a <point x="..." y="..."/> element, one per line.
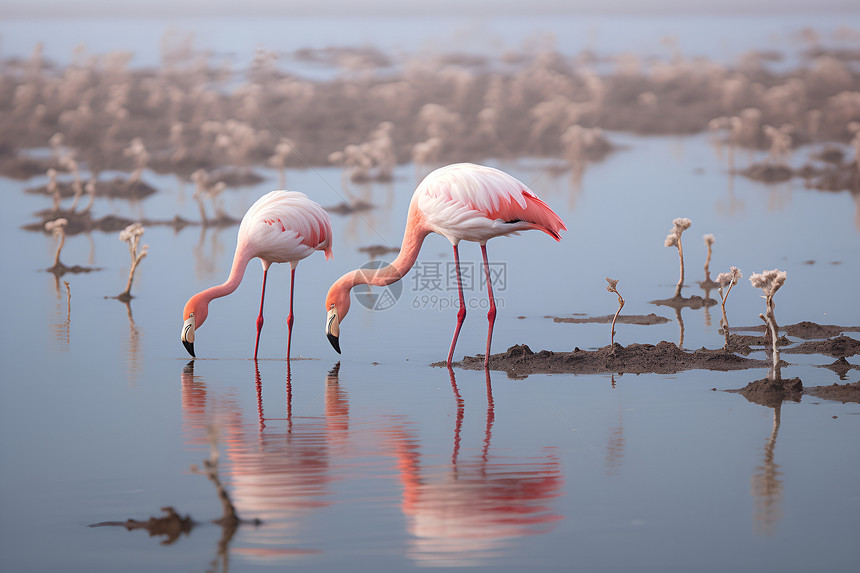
<point x="385" y="462"/>
<point x="374" y="460"/>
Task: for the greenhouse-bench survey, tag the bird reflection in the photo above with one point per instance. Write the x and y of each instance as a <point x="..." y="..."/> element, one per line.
<point x="284" y="474"/>
<point x="470" y="510"/>
<point x="466" y="510"/>
<point x="279" y="469"/>
<point x="258" y="384"/>
<point x="194" y="404"/>
<point x="767" y="484"/>
<point x="336" y="408"/>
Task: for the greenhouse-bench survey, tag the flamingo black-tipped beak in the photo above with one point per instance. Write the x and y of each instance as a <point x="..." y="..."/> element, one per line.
<point x="332" y="329"/>
<point x="188" y="335"/>
<point x="189" y="346"/>
<point x="335" y="342"/>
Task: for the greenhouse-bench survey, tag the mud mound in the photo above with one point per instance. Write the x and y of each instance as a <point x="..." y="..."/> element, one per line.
<point x="771" y="393"/>
<point x="348" y="208"/>
<point x="768" y="173"/>
<point x="376" y="251"/>
<point x="694" y="302"/>
<point x="842" y="393"/>
<point x="841" y="367"/>
<point x="664" y="358"/>
<point x="80" y="222"/>
<point x="839" y="347"/>
<point x="843" y="177"/>
<point x="812" y="331"/>
<point x="20" y="167"/>
<point x="117" y="188"/>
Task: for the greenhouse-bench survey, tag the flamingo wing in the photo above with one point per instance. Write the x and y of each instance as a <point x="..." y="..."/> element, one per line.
<point x="475" y="202"/>
<point x="285" y="226"/>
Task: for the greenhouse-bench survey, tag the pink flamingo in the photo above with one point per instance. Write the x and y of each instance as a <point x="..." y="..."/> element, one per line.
<point x="462" y="202"/>
<point x="280" y="227"/>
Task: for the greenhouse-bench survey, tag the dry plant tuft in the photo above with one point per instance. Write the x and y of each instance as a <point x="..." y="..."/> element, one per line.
<point x="613" y="287"/>
<point x="136" y="150"/>
<point x="727" y="281"/>
<point x="673" y="239"/>
<point x="57" y="227"/>
<point x="131" y="235"/>
<point x="770" y="282"/>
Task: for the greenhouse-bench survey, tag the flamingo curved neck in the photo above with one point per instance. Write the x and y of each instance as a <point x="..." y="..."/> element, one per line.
<point x="413" y="238"/>
<point x="237" y="271"/>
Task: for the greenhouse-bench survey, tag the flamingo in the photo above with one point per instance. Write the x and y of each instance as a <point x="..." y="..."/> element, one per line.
<point x="280" y="227"/>
<point x="462" y="202"/>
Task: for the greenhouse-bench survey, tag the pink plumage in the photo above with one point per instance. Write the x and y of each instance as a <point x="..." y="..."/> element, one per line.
<point x="476" y="203"/>
<point x="462" y="202"/>
<point x="285" y="227"/>
<point x="280" y="227"/>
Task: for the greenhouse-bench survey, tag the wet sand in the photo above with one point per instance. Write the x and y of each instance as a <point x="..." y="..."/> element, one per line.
<point x="666" y="358"/>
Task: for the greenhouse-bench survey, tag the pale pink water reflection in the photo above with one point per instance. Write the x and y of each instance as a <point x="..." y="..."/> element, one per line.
<point x="283" y="469"/>
<point x="473" y="510"/>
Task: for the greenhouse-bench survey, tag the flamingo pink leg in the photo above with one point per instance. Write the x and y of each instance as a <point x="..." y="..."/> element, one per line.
<point x="290" y="316"/>
<point x="260" y="318"/>
<point x="491" y="314"/>
<point x="461" y="314"/>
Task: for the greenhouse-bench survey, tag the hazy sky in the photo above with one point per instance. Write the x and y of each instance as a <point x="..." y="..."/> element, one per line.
<point x="250" y="8"/>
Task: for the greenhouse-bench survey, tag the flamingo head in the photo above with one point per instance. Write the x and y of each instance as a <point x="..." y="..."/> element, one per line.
<point x="337" y="305"/>
<point x="194" y="315"/>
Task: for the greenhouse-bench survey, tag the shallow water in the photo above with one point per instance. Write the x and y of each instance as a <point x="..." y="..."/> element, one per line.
<point x="386" y="463"/>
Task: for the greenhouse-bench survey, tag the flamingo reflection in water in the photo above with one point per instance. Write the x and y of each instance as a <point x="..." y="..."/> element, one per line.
<point x="468" y="512"/>
<point x="280" y="470"/>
